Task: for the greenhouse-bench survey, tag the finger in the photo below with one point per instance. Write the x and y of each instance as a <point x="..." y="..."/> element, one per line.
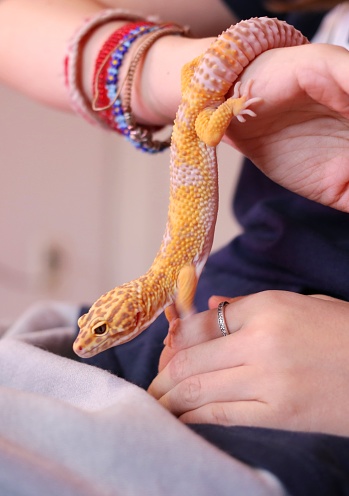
<point x="184" y="333"/>
<point x="215" y="300"/>
<point x="244" y="413"/>
<point x="169" y="351"/>
<point x="217" y="354"/>
<point x="231" y="384"/>
<point x="325" y="297"/>
<point x="192" y="331"/>
<point x="202" y="327"/>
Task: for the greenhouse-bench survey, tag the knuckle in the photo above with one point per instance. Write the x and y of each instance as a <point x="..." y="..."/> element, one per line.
<point x="284" y="401"/>
<point x="219" y="414"/>
<point x="274" y="302"/>
<point x="271" y="321"/>
<point x="179" y="366"/>
<point x="190" y="390"/>
<point x="287" y="414"/>
<point x="272" y="343"/>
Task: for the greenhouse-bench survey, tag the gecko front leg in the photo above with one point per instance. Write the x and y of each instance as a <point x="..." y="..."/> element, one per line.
<point x="212" y="123"/>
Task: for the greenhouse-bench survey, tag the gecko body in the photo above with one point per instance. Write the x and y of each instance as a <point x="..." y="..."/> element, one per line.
<point x="201" y="121"/>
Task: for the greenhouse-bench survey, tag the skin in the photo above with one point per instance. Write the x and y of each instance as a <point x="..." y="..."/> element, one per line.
<point x="284" y="338"/>
<point x="304" y="89"/>
<point x="305" y="108"/>
<point x="284" y="365"/>
<point x="51" y="23"/>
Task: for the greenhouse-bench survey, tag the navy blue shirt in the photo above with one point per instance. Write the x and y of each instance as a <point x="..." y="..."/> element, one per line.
<point x="287" y="243"/>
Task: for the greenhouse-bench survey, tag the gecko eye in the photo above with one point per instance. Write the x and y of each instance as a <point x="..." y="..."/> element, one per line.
<point x="102" y="329"/>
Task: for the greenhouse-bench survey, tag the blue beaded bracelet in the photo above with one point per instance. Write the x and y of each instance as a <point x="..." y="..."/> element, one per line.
<point x="121" y="115"/>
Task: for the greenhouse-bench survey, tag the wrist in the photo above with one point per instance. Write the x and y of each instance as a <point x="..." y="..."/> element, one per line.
<point x="156" y="85"/>
<point x="156" y="91"/>
<point x="146" y="72"/>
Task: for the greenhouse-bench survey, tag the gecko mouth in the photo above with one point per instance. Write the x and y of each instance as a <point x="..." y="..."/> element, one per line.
<point x="89" y="352"/>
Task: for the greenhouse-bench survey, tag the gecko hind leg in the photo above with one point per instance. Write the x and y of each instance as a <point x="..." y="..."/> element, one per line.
<point x="187" y="282"/>
<point x="186" y="288"/>
<point x="211" y="123"/>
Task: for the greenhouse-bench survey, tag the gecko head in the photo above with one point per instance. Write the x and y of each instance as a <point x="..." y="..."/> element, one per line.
<point x="112" y="320"/>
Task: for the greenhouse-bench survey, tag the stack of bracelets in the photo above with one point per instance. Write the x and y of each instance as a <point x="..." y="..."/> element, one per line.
<point x="108" y="109"/>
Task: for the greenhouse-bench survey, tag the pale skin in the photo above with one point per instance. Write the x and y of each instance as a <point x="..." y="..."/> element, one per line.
<point x="284" y="365"/>
<point x="291" y="380"/>
<point x="304" y="89"/>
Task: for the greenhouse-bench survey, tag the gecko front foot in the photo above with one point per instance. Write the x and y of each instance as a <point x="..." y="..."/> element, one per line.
<point x="211" y="123"/>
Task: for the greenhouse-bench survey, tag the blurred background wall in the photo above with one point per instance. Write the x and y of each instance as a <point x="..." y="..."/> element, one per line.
<point x="80" y="210"/>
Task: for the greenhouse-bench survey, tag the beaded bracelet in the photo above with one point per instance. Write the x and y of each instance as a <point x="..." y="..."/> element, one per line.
<point x="107" y="68"/>
<point x="72" y="62"/>
<point x="101" y="101"/>
<point x="118" y="113"/>
<point x="141" y="136"/>
<point x="115" y="115"/>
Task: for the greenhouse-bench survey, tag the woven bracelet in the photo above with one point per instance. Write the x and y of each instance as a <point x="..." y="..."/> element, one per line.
<point x="72" y="62"/>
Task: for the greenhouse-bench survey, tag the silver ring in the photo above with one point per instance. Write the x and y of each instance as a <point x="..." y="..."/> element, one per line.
<point x="221" y="319"/>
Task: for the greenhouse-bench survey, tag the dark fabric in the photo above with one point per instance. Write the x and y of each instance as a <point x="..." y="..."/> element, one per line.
<point x="307" y="464"/>
<point x="287" y="243"/>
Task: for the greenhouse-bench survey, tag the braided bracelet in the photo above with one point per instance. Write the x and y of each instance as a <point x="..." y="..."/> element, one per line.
<point x="72" y="62"/>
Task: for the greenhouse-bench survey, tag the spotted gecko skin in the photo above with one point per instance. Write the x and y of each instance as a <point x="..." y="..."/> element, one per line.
<point x="201" y="121"/>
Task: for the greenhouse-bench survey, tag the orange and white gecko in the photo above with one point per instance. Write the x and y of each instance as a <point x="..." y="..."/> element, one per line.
<point x="201" y="121"/>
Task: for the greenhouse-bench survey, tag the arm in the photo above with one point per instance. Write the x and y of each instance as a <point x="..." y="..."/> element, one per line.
<point x="34" y="37"/>
<point x="33" y="42"/>
<point x="284" y="365"/>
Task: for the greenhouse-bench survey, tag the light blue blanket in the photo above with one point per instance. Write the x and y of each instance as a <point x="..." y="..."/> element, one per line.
<point x="67" y="428"/>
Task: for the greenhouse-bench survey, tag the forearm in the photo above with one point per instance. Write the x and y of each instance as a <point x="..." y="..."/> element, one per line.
<point x="157" y="84"/>
<point x="33" y="43"/>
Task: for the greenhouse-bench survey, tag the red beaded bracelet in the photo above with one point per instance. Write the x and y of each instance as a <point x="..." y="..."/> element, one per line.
<point x="101" y="102"/>
<point x="100" y="70"/>
<point x="118" y="114"/>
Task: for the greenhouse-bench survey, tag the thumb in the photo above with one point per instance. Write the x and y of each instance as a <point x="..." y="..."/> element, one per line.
<point x="325" y="297"/>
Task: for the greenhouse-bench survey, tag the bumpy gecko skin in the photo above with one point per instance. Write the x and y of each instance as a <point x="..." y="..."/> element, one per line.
<point x="202" y="119"/>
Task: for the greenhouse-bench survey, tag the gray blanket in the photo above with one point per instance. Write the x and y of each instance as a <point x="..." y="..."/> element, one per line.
<point x="67" y="428"/>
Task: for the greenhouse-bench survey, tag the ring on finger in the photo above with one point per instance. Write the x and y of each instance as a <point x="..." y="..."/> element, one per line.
<point x="221" y="318"/>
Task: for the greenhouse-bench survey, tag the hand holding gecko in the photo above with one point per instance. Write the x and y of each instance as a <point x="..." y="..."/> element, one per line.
<point x="300" y="138"/>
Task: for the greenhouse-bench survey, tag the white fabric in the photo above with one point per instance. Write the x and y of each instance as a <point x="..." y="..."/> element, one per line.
<point x="334" y="29"/>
